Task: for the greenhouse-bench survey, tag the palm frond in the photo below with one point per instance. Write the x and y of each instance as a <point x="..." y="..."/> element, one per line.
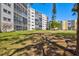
<point x="54" y="8"/>
<point x="54" y="11"/>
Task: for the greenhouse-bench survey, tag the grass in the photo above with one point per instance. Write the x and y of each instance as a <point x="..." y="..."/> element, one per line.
<point x="17" y="34"/>
<point x="9" y="35"/>
<point x="33" y="31"/>
<point x="7" y="38"/>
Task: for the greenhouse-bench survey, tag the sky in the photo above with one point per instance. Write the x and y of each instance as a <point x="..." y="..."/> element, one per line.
<point x="63" y="10"/>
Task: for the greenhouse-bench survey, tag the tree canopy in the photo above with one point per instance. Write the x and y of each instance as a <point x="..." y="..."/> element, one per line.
<point x="55" y="24"/>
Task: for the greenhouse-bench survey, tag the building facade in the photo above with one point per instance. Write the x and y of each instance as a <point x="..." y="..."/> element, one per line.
<point x="31" y="18"/>
<point x="64" y="25"/>
<point x="19" y="16"/>
<point x="44" y="22"/>
<point x="38" y="20"/>
<point x="6" y="17"/>
<point x="69" y="25"/>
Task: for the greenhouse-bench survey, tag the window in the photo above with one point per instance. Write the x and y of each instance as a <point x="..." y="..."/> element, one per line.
<point x="32" y="12"/>
<point x="32" y="22"/>
<point x="32" y="28"/>
<point x="9" y="19"/>
<point x="32" y="15"/>
<point x="9" y="4"/>
<point x="32" y="19"/>
<point x="5" y="10"/>
<point x="9" y="12"/>
<point x="40" y="25"/>
<point x="32" y="25"/>
<point x="4" y="18"/>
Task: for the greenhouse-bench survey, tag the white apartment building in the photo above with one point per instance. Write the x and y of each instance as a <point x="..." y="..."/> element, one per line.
<point x="6" y="17"/>
<point x="64" y="25"/>
<point x="69" y="25"/>
<point x="44" y="22"/>
<point x="36" y="20"/>
<point x="19" y="16"/>
<point x="31" y="19"/>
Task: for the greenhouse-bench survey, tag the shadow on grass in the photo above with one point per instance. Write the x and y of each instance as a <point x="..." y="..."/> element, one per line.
<point x="38" y="46"/>
<point x="30" y="37"/>
<point x="7" y="51"/>
<point x="65" y="49"/>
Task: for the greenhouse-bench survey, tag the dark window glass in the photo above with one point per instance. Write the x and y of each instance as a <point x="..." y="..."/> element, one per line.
<point x="4" y="18"/>
<point x="9" y="12"/>
<point x="9" y="5"/>
<point x="32" y="15"/>
<point x="9" y="19"/>
<point x="5" y="10"/>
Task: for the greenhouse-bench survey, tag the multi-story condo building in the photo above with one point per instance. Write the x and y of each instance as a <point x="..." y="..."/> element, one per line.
<point x="31" y="19"/>
<point x="6" y="17"/>
<point x="19" y="16"/>
<point x="44" y="22"/>
<point x="38" y="20"/>
<point x="69" y="25"/>
<point x="64" y="25"/>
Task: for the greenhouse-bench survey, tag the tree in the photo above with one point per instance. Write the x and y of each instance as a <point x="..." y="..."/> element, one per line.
<point x="53" y="14"/>
<point x="76" y="9"/>
<point x="55" y="24"/>
<point x="53" y="11"/>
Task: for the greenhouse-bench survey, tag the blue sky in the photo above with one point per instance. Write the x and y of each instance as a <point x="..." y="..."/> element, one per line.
<point x="64" y="10"/>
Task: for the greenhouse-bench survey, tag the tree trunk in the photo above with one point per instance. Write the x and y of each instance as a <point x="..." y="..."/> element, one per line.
<point x="77" y="47"/>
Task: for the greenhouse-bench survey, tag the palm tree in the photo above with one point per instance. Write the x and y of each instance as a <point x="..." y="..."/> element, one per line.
<point x="54" y="11"/>
<point x="53" y="14"/>
<point x="76" y="9"/>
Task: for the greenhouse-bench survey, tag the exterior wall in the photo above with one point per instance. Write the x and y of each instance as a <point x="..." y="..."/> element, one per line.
<point x="28" y="18"/>
<point x="72" y="25"/>
<point x="31" y="19"/>
<point x="44" y="22"/>
<point x="0" y="17"/>
<point x="7" y="17"/>
<point x="47" y="28"/>
<point x="38" y="21"/>
<point x="19" y="16"/>
<point x="69" y="25"/>
<point x="64" y="25"/>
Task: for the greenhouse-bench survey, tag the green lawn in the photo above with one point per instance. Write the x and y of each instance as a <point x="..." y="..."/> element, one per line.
<point x="17" y="33"/>
<point x="10" y="35"/>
